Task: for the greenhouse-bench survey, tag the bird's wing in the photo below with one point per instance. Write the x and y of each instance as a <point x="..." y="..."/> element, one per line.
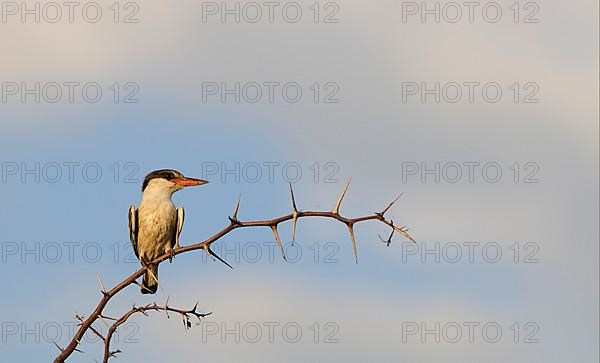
<point x="180" y="219"/>
<point x="133" y="229"/>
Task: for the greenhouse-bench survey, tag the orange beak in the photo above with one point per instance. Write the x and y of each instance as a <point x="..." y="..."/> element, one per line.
<point x="189" y="182"/>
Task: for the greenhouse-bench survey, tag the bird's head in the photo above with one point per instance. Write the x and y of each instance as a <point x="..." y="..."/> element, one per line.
<point x="168" y="181"/>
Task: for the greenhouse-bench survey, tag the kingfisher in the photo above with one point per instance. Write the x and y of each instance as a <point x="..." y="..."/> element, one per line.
<point x="155" y="226"/>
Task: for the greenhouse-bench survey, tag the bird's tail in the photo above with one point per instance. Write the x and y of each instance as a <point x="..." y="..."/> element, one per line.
<point x="150" y="280"/>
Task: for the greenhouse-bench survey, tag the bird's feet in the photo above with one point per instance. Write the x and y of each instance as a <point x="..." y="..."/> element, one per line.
<point x="171" y="253"/>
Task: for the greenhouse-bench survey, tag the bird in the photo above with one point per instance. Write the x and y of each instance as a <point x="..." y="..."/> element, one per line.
<point x="155" y="226"/>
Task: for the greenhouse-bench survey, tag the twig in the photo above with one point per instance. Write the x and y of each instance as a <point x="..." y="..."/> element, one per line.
<point x="185" y="316"/>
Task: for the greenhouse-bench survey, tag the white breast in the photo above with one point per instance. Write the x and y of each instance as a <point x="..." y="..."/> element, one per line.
<point x="157" y="218"/>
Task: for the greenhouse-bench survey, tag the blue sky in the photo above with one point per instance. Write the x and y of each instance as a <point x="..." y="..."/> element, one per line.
<point x="369" y="135"/>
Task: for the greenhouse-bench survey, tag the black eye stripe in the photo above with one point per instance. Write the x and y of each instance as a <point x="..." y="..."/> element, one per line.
<point x="167" y="175"/>
<point x="164" y="174"/>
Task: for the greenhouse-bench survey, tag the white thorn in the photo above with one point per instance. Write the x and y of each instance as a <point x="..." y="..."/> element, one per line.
<point x="336" y="209"/>
<point x="274" y="229"/>
<point x="104" y="321"/>
<point x="294" y="222"/>
<point x="351" y="230"/>
<point x="295" y="214"/>
<point x="293" y="199"/>
<point x="237" y="208"/>
<point x="403" y="232"/>
<point x="391" y="204"/>
<point x="102" y="288"/>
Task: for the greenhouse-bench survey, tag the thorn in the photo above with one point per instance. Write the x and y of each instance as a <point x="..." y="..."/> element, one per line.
<point x="336" y="209"/>
<point x="139" y="285"/>
<point x="108" y="317"/>
<point x="390" y="205"/>
<point x="295" y="215"/>
<point x="274" y="229"/>
<point x="58" y="346"/>
<point x="389" y="240"/>
<point x="204" y="315"/>
<point x="293" y="199"/>
<point x="237" y="208"/>
<point x="294" y="223"/>
<point x="351" y="230"/>
<point x="102" y="288"/>
<point x="104" y="321"/>
<point x="80" y="318"/>
<point x="214" y="255"/>
<point x="167" y="307"/>
<point x="186" y="323"/>
<point x="402" y="231"/>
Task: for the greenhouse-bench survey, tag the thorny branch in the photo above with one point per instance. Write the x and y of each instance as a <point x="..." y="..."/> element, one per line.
<point x="112" y="328"/>
<point x="234" y="223"/>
